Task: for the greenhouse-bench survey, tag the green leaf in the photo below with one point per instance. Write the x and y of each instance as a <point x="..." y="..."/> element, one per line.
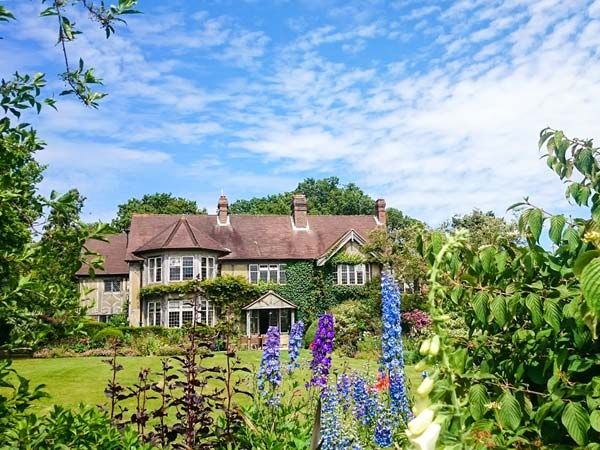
<point x="498" y="308"/>
<point x="552" y="313"/>
<point x="480" y="306"/>
<point x="535" y="222"/>
<point x="534" y="305"/>
<point x="572" y="238"/>
<point x="478" y="401"/>
<point x="590" y="285"/>
<point x="510" y="413"/>
<point x="583" y="260"/>
<point x="585" y="161"/>
<point x="557" y="223"/>
<point x="595" y="420"/>
<point x="487" y="259"/>
<point x="577" y="422"/>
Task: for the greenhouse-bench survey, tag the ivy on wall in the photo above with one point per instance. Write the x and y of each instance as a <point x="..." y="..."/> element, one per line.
<point x="310" y="288"/>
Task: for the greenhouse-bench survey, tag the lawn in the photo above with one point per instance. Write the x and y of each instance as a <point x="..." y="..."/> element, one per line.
<point x="71" y="381"/>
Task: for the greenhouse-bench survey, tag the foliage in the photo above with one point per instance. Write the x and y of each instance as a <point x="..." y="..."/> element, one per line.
<point x="416" y="322"/>
<point x="42" y="237"/>
<point x="398" y="249"/>
<point x="159" y="203"/>
<point x="348" y="258"/>
<point x="83" y="428"/>
<point x="529" y="373"/>
<point x="353" y="321"/>
<point x="484" y="228"/>
<point x="205" y="418"/>
<point x="106" y="335"/>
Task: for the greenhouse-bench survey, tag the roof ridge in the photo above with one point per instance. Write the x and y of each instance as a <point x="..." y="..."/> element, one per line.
<point x="170" y="237"/>
<point x="189" y="230"/>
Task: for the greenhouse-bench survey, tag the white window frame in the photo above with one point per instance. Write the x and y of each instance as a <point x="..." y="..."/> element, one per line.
<point x="267" y="273"/>
<point x="352" y="274"/>
<point x="207" y="268"/>
<point x="113" y="282"/>
<point x="155" y="269"/>
<point x="187" y="262"/>
<point x="154" y="313"/>
<point x="176" y="309"/>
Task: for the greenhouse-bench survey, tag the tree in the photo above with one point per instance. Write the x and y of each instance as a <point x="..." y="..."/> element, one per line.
<point x="41" y="237"/>
<point x="324" y="196"/>
<point x="484" y="228"/>
<point x="153" y="204"/>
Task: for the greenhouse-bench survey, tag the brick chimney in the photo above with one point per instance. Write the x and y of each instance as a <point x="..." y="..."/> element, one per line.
<point x="300" y="211"/>
<point x="223" y="211"/>
<point x="380" y="208"/>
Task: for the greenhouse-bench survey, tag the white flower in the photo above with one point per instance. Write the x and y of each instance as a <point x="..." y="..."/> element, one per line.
<point x="420" y="423"/>
<point x="425" y="387"/>
<point x="428" y="439"/>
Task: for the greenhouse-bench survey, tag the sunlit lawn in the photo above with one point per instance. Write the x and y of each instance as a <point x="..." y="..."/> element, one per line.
<point x="71" y="381"/>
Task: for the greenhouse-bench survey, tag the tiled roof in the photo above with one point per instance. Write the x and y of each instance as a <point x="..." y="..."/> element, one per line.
<point x="114" y="252"/>
<point x="245" y="237"/>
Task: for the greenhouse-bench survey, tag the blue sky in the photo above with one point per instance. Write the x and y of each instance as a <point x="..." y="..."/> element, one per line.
<point x="435" y="106"/>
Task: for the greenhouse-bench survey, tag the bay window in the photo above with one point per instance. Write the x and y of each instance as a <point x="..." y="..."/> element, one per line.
<point x="155" y="269"/>
<point x="181" y="313"/>
<point x="181" y="268"/>
<point x="267" y="273"/>
<point x="153" y="313"/>
<point x="352" y="274"/>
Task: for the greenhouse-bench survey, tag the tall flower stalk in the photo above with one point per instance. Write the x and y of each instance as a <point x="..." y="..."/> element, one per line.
<point x="322" y="347"/>
<point x="296" y="335"/>
<point x="269" y="374"/>
<point x="392" y="356"/>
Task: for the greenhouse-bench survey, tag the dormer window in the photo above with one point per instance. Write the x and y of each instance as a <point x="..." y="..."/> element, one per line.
<point x="155" y="269"/>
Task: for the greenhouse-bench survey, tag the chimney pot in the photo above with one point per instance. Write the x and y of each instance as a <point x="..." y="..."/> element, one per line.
<point x="223" y="211"/>
<point x="380" y="209"/>
<point x="300" y="211"/>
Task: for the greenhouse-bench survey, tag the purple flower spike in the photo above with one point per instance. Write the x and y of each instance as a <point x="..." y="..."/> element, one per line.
<point x="322" y="347"/>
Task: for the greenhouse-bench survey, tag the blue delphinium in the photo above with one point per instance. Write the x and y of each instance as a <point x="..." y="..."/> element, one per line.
<point x="296" y="335"/>
<point x="269" y="374"/>
<point x="365" y="401"/>
<point x="392" y="357"/>
<point x="335" y="430"/>
<point x="384" y="434"/>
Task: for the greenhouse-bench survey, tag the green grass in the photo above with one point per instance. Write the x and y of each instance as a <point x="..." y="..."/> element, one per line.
<point x="70" y="381"/>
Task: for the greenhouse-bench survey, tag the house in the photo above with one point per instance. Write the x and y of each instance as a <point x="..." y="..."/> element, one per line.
<point x="162" y="249"/>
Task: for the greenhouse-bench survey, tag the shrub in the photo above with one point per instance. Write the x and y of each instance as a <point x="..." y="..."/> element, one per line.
<point x="309" y="336"/>
<point x="90" y="328"/>
<point x="415" y="322"/>
<point x="106" y="334"/>
<point x="352" y="320"/>
<point x="147" y="345"/>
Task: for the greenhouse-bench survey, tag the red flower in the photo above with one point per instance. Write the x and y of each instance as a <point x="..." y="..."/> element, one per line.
<point x="382" y="383"/>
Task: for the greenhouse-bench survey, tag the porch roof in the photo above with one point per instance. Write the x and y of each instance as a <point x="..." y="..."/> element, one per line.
<point x="270" y="300"/>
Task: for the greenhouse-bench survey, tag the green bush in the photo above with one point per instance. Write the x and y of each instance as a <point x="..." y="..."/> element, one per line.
<point x="90" y="328"/>
<point x="104" y="335"/>
<point x="147" y="345"/>
<point x="353" y="319"/>
<point x="309" y="335"/>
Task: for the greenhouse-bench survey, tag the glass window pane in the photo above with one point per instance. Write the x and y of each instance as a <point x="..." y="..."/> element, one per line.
<point x="284" y="320"/>
<point x="188" y="267"/>
<point x="344" y="274"/>
<point x="174" y="319"/>
<point x="282" y="274"/>
<point x="351" y="275"/>
<point x="253" y="270"/>
<point x="273" y="272"/>
<point x="264" y="275"/>
<point x="273" y="318"/>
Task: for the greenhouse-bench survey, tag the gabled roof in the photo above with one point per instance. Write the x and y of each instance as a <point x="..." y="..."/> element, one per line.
<point x="349" y="236"/>
<point x="181" y="235"/>
<point x="113" y="251"/>
<point x="268" y="237"/>
<point x="270" y="300"/>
